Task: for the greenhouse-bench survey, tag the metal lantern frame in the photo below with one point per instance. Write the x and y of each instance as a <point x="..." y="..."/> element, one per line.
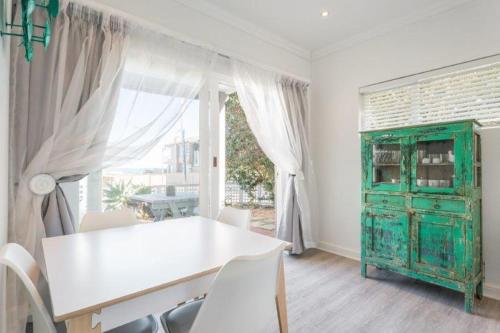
<point x="28" y="31"/>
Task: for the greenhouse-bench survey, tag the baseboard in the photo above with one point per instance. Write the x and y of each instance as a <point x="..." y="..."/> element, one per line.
<point x="310" y="245"/>
<point x="339" y="250"/>
<point x="490" y="290"/>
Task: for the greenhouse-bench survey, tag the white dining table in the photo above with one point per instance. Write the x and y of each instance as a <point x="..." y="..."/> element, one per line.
<point x="103" y="279"/>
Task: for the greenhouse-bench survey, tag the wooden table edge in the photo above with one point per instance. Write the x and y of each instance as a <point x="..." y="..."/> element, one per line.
<point x="96" y="308"/>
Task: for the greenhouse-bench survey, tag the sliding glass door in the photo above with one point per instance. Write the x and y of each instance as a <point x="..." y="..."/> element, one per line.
<point x="208" y="159"/>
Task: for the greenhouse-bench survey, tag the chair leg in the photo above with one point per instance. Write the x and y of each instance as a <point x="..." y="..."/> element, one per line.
<point x="281" y="299"/>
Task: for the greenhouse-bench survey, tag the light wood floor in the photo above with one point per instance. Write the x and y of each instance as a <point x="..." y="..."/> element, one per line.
<point x="327" y="294"/>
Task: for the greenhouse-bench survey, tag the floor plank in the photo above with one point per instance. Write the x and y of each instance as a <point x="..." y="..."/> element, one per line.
<point x="327" y="294"/>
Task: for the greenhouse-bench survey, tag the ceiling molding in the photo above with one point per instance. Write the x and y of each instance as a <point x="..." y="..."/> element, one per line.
<point x="223" y="16"/>
<point x="386" y="28"/>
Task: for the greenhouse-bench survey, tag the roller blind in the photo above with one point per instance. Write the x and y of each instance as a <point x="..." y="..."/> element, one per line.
<point x="467" y="94"/>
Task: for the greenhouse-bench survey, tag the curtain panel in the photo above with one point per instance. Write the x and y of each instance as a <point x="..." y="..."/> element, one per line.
<point x="61" y="112"/>
<point x="104" y="93"/>
<point x="276" y="107"/>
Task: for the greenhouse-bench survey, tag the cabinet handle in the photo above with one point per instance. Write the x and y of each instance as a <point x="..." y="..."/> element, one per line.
<point x="437" y="206"/>
<point x="385" y="201"/>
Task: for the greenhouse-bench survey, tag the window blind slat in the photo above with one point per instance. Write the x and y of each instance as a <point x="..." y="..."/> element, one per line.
<point x="471" y="94"/>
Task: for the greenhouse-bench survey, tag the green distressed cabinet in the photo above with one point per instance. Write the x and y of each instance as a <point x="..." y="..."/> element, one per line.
<point x="421" y="204"/>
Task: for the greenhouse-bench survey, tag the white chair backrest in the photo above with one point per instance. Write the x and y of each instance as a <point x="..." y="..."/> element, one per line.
<point x="237" y="217"/>
<point x="242" y="297"/>
<point x="104" y="220"/>
<point x="22" y="263"/>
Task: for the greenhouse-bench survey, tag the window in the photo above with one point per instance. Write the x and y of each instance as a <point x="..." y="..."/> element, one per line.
<point x="164" y="183"/>
<point x="466" y="94"/>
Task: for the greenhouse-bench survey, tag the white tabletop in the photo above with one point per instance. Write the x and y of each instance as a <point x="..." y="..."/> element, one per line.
<point x="88" y="271"/>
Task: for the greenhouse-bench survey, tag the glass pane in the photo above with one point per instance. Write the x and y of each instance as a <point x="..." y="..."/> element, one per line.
<point x="436" y="163"/>
<point x="386" y="163"/>
<point x="244" y="187"/>
<point x="163" y="184"/>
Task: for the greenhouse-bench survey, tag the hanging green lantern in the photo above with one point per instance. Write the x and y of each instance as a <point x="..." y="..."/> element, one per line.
<point x="47" y="33"/>
<point x="28" y="7"/>
<point x="53" y="8"/>
<point x="26" y="42"/>
<point x="34" y="33"/>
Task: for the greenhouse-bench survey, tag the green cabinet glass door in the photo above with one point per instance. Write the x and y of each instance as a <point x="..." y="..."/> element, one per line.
<point x="437" y="163"/>
<point x="387" y="164"/>
<point x="387" y="234"/>
<point x="438" y="245"/>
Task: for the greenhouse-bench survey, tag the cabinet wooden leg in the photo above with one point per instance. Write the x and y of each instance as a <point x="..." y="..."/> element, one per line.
<point x="363" y="268"/>
<point x="479" y="290"/>
<point x="469" y="297"/>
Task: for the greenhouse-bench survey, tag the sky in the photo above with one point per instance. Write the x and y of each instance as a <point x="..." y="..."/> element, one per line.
<point x="147" y="106"/>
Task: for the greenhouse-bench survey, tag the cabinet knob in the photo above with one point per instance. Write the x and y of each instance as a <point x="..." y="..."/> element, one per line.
<point x="385" y="201"/>
<point x="437" y="206"/>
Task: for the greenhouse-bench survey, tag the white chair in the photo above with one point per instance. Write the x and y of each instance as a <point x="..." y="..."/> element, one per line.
<point x="241" y="299"/>
<point x="104" y="220"/>
<point x="237" y="217"/>
<point x="24" y="266"/>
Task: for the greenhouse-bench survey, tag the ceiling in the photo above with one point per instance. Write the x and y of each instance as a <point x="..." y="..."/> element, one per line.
<point x="299" y="22"/>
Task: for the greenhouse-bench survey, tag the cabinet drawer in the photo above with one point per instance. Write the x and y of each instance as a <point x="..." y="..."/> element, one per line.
<point x="444" y="205"/>
<point x="389" y="200"/>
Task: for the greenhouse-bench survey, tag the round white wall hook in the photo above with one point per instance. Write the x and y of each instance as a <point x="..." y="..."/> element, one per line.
<point x="42" y="184"/>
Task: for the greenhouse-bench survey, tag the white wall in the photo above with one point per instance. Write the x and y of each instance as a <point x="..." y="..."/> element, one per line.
<point x="184" y="21"/>
<point x="462" y="34"/>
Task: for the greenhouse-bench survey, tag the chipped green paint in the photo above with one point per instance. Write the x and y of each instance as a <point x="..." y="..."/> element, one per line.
<point x="433" y="234"/>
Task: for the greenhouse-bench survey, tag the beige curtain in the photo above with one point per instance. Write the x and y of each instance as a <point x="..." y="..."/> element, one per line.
<point x="275" y="108"/>
<point x="294" y="216"/>
<point x="61" y="113"/>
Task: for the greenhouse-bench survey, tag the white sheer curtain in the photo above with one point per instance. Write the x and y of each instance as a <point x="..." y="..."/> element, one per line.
<point x="163" y="76"/>
<point x="275" y="108"/>
<point x="64" y="116"/>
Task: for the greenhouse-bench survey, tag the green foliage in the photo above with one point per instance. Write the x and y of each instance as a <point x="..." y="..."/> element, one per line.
<point x="246" y="163"/>
<point x="117" y="195"/>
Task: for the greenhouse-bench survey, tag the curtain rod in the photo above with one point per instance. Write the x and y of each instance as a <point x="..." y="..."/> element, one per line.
<point x="182" y="37"/>
<point x="431" y="70"/>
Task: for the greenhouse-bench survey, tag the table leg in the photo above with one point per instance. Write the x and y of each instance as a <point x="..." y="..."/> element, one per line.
<point x="82" y="324"/>
<point x="281" y="299"/>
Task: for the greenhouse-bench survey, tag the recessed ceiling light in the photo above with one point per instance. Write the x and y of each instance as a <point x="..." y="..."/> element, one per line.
<point x="324" y="13"/>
